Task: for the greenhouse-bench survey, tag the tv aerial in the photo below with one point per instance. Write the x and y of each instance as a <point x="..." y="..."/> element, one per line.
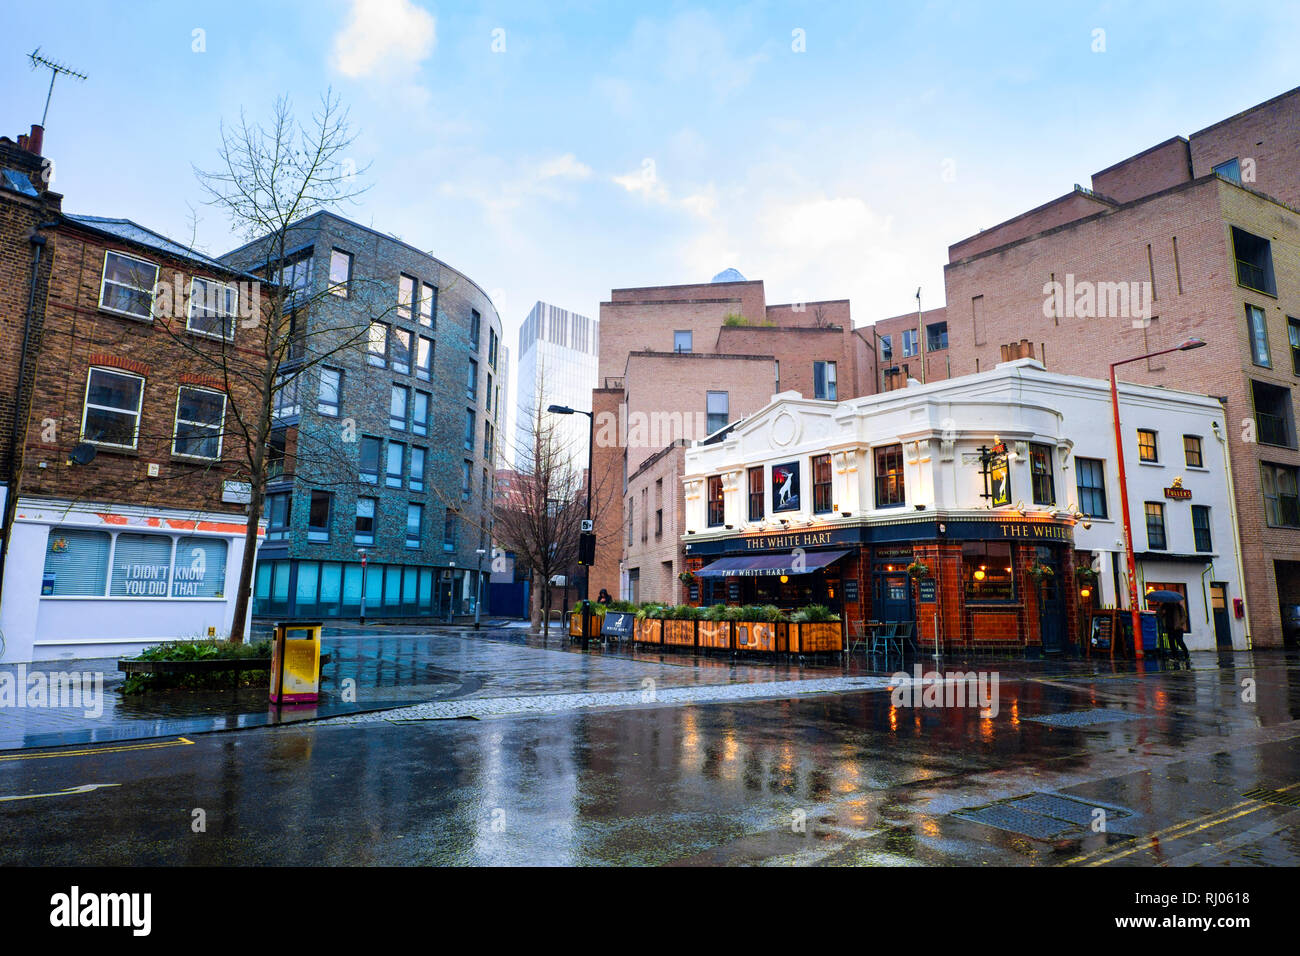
<point x="56" y="70"/>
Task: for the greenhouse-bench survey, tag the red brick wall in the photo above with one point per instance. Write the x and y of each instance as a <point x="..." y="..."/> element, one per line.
<point x="78" y="334"/>
<point x="1148" y="172"/>
<point x="1269" y="134"/>
<point x="1067" y="208"/>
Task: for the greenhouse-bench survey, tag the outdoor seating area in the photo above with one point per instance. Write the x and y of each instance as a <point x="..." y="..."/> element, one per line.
<point x="884" y="637"/>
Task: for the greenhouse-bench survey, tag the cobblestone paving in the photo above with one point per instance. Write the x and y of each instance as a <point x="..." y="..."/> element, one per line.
<point x="559" y="703"/>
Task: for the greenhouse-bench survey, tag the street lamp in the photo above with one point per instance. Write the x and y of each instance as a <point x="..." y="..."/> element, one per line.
<point x="591" y="444"/>
<point x="478" y="600"/>
<point x="1129" y="557"/>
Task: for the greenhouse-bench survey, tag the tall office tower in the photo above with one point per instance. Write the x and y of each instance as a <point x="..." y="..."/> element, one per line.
<point x="557" y="366"/>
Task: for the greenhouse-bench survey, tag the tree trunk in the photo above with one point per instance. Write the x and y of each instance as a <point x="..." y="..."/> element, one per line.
<point x="534" y="605"/>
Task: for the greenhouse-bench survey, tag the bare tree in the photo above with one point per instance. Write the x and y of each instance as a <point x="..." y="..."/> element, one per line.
<point x="268" y="178"/>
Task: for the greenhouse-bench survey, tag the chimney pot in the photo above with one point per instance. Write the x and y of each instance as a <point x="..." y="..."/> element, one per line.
<point x="37" y="139"/>
<point x="22" y="141"/>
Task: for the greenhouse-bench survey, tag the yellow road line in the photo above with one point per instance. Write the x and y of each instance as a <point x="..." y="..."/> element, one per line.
<point x="178" y="742"/>
<point x="1177" y="831"/>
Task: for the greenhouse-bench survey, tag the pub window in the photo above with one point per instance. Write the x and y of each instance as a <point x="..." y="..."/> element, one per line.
<point x="716" y="508"/>
<point x="821" y="469"/>
<point x="1281" y="499"/>
<point x="318" y="516"/>
<point x="987" y="571"/>
<point x="1192" y="451"/>
<point x="1201" y="528"/>
<point x="756" y="492"/>
<point x="112" y="411"/>
<point x="1040" y="468"/>
<point x="127" y="285"/>
<point x="1155" y="512"/>
<point x="1147" y="447"/>
<point x="889" y="477"/>
<point x="1091" y="477"/>
<point x="76" y="563"/>
<point x="142" y="566"/>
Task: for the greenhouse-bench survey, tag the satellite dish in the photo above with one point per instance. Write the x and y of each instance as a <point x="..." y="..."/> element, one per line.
<point x="83" y="454"/>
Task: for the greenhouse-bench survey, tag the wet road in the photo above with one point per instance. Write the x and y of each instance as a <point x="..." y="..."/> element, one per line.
<point x="1183" y="770"/>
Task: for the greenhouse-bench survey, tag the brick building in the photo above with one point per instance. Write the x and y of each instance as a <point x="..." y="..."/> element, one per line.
<point x="1194" y="237"/>
<point x="830" y="503"/>
<point x="678" y="363"/>
<point x="386" y="438"/>
<point x="128" y="526"/>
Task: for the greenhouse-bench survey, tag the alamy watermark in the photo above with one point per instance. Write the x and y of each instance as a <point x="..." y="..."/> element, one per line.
<point x="955" y="689"/>
<point x="55" y="689"/>
<point x="1085" y="299"/>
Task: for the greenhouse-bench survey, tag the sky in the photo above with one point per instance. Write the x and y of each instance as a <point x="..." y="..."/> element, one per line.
<point x="556" y="150"/>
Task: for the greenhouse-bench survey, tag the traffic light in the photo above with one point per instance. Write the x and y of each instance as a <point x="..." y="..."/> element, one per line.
<point x="587" y="548"/>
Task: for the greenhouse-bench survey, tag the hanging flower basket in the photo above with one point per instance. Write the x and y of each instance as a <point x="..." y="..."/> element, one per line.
<point x="686" y="577"/>
<point x="1085" y="574"/>
<point x="1040" y="572"/>
<point x="918" y="570"/>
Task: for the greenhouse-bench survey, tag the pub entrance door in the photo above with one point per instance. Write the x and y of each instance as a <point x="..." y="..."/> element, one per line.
<point x="891" y="589"/>
<point x="1051" y="605"/>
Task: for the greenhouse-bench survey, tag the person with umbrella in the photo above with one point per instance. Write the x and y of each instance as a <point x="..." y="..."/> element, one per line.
<point x="1175" y="619"/>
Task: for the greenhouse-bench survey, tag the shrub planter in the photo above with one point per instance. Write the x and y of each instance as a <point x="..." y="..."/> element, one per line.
<point x="649" y="631"/>
<point x="715" y="634"/>
<point x="757" y="636"/>
<point x="818" y="637"/>
<point x="679" y="633"/>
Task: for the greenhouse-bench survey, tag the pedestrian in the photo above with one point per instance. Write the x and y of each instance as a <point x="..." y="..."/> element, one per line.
<point x="603" y="597"/>
<point x="1176" y="627"/>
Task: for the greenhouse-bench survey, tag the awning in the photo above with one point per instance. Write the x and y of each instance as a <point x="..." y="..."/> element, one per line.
<point x="762" y="565"/>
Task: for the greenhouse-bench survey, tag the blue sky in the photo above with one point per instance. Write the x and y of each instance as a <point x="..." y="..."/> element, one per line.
<point x="606" y="147"/>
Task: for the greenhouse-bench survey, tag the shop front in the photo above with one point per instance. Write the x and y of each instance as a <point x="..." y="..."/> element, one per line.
<point x="977" y="582"/>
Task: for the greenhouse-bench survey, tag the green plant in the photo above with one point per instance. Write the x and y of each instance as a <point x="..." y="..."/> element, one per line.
<point x="686" y="577"/>
<point x="733" y="319"/>
<point x="1085" y="574"/>
<point x="716" y="613"/>
<point x="1039" y="571"/>
<point x="683" y="612"/>
<point x="623" y="607"/>
<point x="772" y="614"/>
<point x="198" y="650"/>
<point x="917" y="570"/>
<point x="814" y="614"/>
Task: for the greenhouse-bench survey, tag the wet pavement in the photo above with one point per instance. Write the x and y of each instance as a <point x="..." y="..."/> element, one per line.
<point x="1084" y="764"/>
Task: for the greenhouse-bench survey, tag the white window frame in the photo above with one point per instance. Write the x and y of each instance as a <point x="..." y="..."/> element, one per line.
<point x="231" y="289"/>
<point x="104" y="281"/>
<point x="176" y="423"/>
<point x="85" y="405"/>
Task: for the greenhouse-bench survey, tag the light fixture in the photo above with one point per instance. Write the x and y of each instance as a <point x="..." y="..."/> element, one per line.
<point x="846" y="514"/>
<point x="1190" y="344"/>
<point x="1085" y="592"/>
<point x="979" y="575"/>
<point x="785" y="579"/>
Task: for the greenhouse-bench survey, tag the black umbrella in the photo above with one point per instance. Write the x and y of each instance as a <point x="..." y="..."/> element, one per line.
<point x="1164" y="597"/>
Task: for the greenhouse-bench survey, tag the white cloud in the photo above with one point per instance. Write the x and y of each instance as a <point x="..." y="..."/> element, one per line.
<point x="563" y="167"/>
<point x="383" y="37"/>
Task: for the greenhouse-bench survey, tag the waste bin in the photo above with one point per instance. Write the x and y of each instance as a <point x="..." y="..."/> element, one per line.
<point x="295" y="664"/>
<point x="1150" y="631"/>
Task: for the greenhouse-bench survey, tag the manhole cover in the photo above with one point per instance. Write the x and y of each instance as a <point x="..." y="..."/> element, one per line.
<point x="1085" y="718"/>
<point x="1048" y="816"/>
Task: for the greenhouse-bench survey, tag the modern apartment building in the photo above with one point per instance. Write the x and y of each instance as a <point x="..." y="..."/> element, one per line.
<point x="557" y="366"/>
<point x="677" y="364"/>
<point x="386" y="437"/>
<point x="1194" y="237"/>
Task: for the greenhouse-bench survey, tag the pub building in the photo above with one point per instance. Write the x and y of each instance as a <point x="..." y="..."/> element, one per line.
<point x="969" y="507"/>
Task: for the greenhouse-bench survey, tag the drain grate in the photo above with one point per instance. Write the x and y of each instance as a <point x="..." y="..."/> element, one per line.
<point x="1085" y="718"/>
<point x="1274" y="796"/>
<point x="1047" y="816"/>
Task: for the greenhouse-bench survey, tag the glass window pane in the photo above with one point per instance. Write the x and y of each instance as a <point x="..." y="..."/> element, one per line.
<point x="76" y="562"/>
<point x="142" y="566"/>
<point x="199" y="568"/>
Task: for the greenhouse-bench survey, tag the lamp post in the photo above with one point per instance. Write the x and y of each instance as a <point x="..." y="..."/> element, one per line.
<point x="1129" y="557"/>
<point x="591" y="442"/>
<point x="478" y="598"/>
<point x="362" y="552"/>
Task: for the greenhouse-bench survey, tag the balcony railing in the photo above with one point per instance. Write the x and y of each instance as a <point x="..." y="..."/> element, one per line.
<point x="1252" y="277"/>
<point x="1273" y="429"/>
